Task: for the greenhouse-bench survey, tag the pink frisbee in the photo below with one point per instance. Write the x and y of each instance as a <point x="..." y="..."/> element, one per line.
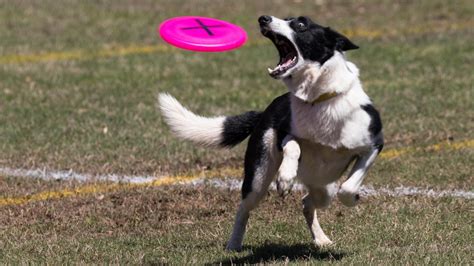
<point x="202" y="34"/>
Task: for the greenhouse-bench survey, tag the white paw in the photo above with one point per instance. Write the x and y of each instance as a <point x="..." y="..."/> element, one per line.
<point x="322" y="242"/>
<point x="285" y="182"/>
<point x="348" y="197"/>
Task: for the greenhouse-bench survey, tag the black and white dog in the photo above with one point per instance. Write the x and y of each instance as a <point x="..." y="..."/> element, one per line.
<point x="313" y="133"/>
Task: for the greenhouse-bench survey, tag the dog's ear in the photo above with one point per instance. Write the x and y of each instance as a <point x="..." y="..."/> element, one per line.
<point x="340" y="42"/>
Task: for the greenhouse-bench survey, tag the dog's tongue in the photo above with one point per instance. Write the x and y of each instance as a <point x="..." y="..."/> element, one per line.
<point x="281" y="67"/>
<point x="287" y="62"/>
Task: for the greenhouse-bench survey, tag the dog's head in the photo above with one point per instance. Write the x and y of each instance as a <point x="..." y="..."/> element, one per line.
<point x="300" y="41"/>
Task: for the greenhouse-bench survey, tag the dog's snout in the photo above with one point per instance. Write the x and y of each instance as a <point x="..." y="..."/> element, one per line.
<point x="264" y="20"/>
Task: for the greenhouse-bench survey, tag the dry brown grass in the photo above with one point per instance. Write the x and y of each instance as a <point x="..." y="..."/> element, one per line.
<point x="176" y="224"/>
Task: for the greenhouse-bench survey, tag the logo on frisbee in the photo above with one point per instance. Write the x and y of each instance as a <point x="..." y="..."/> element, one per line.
<point x="203" y="26"/>
<point x="202" y="34"/>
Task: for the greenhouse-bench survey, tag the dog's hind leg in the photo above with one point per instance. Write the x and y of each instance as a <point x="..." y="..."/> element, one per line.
<point x="261" y="163"/>
<point x="260" y="183"/>
<point x="316" y="198"/>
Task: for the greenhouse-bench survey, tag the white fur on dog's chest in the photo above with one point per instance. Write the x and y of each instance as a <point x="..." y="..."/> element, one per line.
<point x="339" y="122"/>
<point x="336" y="124"/>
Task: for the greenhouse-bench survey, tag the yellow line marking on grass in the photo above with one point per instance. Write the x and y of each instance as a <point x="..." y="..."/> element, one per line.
<point x="394" y="153"/>
<point x="146" y="49"/>
<point x="65" y="193"/>
<point x="93" y="189"/>
<point x="84" y="54"/>
<point x="183" y="179"/>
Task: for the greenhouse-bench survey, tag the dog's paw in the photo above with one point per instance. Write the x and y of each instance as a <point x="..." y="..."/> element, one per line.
<point x="284" y="187"/>
<point x="285" y="182"/>
<point x="322" y="242"/>
<point x="348" y="197"/>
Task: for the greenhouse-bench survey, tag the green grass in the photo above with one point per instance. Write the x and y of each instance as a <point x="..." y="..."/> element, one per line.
<point x="54" y="114"/>
<point x="176" y="225"/>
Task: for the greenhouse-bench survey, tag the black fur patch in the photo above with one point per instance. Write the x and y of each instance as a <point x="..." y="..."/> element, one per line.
<point x="282" y="119"/>
<point x="239" y="127"/>
<point x="253" y="159"/>
<point x="318" y="43"/>
<point x="375" y="125"/>
<point x="276" y="116"/>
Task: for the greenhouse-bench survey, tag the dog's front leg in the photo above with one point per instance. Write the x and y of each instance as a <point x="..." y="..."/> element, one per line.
<point x="348" y="193"/>
<point x="289" y="165"/>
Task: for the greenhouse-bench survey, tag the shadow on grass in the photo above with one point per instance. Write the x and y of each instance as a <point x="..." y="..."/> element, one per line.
<point x="282" y="253"/>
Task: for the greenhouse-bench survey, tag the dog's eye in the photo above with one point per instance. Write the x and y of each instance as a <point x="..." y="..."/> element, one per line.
<point x="301" y="26"/>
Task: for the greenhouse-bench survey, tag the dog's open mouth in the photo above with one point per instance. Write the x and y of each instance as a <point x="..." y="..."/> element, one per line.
<point x="287" y="51"/>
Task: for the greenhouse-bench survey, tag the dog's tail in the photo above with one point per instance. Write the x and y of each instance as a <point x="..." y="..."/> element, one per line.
<point x="220" y="131"/>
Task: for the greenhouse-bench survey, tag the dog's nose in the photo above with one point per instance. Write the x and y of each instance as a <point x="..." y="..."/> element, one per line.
<point x="264" y="20"/>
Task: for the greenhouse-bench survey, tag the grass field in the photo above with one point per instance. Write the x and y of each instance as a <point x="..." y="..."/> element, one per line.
<point x="78" y="83"/>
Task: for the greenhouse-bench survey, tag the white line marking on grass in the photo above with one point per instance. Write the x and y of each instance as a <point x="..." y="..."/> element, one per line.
<point x="228" y="183"/>
<point x="130" y="182"/>
<point x="123" y="182"/>
<point x="71" y="175"/>
<point x="400" y="191"/>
